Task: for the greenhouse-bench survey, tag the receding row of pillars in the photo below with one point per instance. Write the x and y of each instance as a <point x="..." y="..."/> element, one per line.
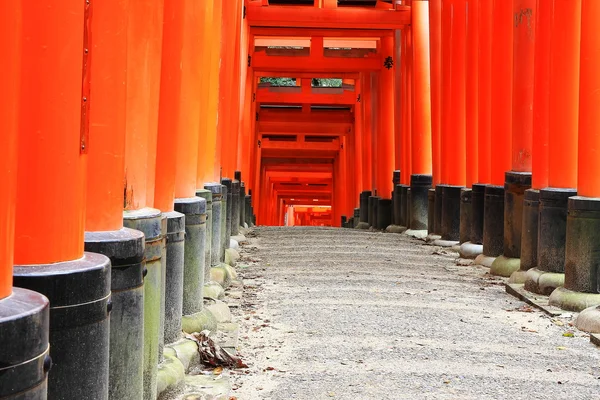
<point x="519" y="133"/>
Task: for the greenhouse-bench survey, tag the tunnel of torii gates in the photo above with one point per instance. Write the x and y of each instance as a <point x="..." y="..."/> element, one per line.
<point x="138" y="136"/>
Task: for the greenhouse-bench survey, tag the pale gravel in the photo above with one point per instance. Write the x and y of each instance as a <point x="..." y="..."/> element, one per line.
<point x="347" y="314"/>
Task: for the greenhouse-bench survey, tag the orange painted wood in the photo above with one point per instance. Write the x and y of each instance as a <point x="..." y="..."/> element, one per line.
<point x="179" y="113"/>
<point x="208" y="156"/>
<point x="471" y="98"/>
<point x="314" y="63"/>
<point x="564" y="94"/>
<point x="525" y="14"/>
<point x="300" y="32"/>
<point x="385" y="135"/>
<point x="421" y="127"/>
<point x="446" y="111"/>
<point x="266" y="96"/>
<point x="588" y="183"/>
<point x="367" y="132"/>
<point x="406" y="169"/>
<point x="453" y="140"/>
<point x="144" y="47"/>
<point x="358" y="139"/>
<point x="106" y="154"/>
<point x="49" y="224"/>
<point x="10" y="75"/>
<point x="484" y="93"/>
<point x="398" y="121"/>
<point x="502" y="67"/>
<point x="435" y="48"/>
<point x="336" y="18"/>
<point x="541" y="93"/>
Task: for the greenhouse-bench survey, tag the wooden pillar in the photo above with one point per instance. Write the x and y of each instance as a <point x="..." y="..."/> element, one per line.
<point x="588" y="184"/>
<point x="179" y="120"/>
<point x="435" y="48"/>
<point x="405" y="170"/>
<point x="367" y="132"/>
<point x="385" y="135"/>
<point x="501" y="79"/>
<point x="358" y="138"/>
<point x="208" y="156"/>
<point x="10" y="73"/>
<point x="106" y="164"/>
<point x="471" y="95"/>
<point x="564" y="94"/>
<point x="144" y="46"/>
<point x="51" y="188"/>
<point x="421" y="126"/>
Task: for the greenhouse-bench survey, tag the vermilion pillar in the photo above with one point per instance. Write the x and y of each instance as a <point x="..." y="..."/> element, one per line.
<point x="539" y="164"/>
<point x="385" y="134"/>
<point x="10" y="42"/>
<point x="562" y="148"/>
<point x="20" y="309"/>
<point x="468" y="250"/>
<point x="435" y="49"/>
<point x="50" y="213"/>
<point x="484" y="92"/>
<point x="208" y="157"/>
<point x="104" y="207"/>
<point x="518" y="179"/>
<point x="581" y="258"/>
<point x="421" y="171"/>
<point x="501" y="128"/>
<point x="144" y="49"/>
<point x="453" y="112"/>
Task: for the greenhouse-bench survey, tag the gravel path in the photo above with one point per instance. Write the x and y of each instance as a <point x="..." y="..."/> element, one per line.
<point x="346" y="314"/>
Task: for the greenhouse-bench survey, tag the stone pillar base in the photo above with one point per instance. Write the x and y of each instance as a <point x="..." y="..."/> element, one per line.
<point x="589" y="320"/>
<point x="573" y="301"/>
<point x="470" y="250"/>
<point x="125" y="249"/>
<point x="79" y="325"/>
<point x="25" y="357"/>
<point x="504" y="266"/>
<point x="543" y="282"/>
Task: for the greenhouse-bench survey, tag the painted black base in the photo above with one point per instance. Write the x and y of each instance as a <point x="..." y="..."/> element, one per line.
<point x="24" y="351"/>
<point x="79" y="295"/>
<point x="552" y="228"/>
<point x="419" y="188"/>
<point x="516" y="183"/>
<point x="493" y="221"/>
<point x="477" y="212"/>
<point x="466" y="213"/>
<point x="384" y="213"/>
<point x="431" y="210"/>
<point x="125" y="249"/>
<point x="364" y="206"/>
<point x="437" y="226"/>
<point x="529" y="236"/>
<point x="450" y="212"/>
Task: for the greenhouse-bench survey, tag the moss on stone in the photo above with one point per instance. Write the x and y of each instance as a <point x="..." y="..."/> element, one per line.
<point x="198" y="322"/>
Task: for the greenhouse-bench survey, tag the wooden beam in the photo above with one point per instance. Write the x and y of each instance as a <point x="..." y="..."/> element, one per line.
<point x="336" y="32"/>
<point x="335" y="18"/>
<point x="314" y="63"/>
<point x="264" y="95"/>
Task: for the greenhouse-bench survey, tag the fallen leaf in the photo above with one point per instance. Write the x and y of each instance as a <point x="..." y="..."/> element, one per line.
<point x="218" y="371"/>
<point x="568" y="334"/>
<point x="446" y="382"/>
<point x="331" y="394"/>
<point x="561" y="348"/>
<point x="212" y="354"/>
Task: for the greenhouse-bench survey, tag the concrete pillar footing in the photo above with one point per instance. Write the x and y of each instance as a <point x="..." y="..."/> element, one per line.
<point x="395" y="229"/>
<point x="543" y="282"/>
<point x="416" y="233"/>
<point x="362" y="225"/>
<point x="518" y="277"/>
<point x="470" y="250"/>
<point x="445" y="243"/>
<point x="588" y="320"/>
<point x="573" y="301"/>
<point x="505" y="266"/>
<point x="432" y="237"/>
<point x="484" y="260"/>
